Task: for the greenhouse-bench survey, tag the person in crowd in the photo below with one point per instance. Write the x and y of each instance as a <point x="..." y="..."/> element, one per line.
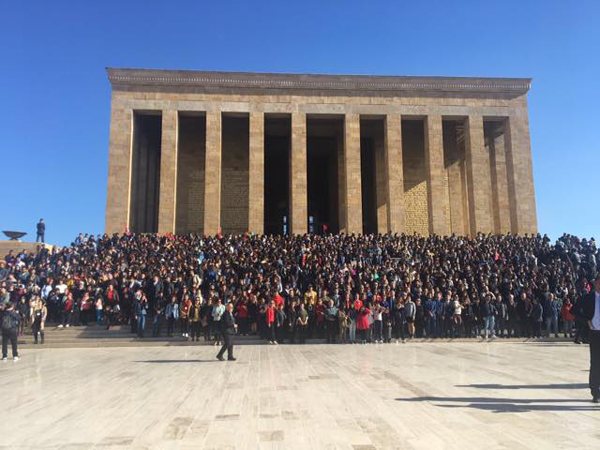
<point x="489" y="313"/>
<point x="23" y="309"/>
<point x="217" y="312"/>
<point x="331" y="322"/>
<point x="194" y="316"/>
<point x="270" y="322"/>
<point x="551" y="315"/>
<point x="241" y="316"/>
<point x="280" y="323"/>
<point x="568" y="318"/>
<point x="399" y="320"/>
<point x="9" y="322"/>
<point x="457" y="308"/>
<point x="172" y="315"/>
<point x="362" y="324"/>
<point x="536" y="316"/>
<point x="141" y="312"/>
<point x="343" y="323"/>
<point x="292" y="320"/>
<point x="99" y="310"/>
<point x="184" y="311"/>
<point x="39" y="312"/>
<point x="302" y="324"/>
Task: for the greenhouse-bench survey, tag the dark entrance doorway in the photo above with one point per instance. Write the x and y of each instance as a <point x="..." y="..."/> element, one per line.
<point x="277" y="170"/>
<point x="145" y="173"/>
<point x="324" y="143"/>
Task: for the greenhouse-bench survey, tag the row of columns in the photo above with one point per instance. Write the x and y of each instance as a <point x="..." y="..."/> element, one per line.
<point x="479" y="177"/>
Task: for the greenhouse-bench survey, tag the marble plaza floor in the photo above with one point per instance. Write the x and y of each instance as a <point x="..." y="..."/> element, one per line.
<point x="412" y="396"/>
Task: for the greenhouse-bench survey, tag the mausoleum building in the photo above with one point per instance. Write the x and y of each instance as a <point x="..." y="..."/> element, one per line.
<point x="205" y="152"/>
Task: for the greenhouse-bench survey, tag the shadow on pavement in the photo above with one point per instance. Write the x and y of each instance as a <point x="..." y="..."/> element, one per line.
<point x="507" y="405"/>
<point x="526" y="386"/>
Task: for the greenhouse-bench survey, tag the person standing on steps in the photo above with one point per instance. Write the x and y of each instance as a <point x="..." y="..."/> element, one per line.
<point x="38" y="319"/>
<point x="40" y="231"/>
<point x="228" y="328"/>
<point x="10" y="327"/>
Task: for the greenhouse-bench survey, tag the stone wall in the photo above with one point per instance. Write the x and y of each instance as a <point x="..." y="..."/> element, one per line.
<point x="415" y="179"/>
<point x="190" y="170"/>
<point x="234" y="178"/>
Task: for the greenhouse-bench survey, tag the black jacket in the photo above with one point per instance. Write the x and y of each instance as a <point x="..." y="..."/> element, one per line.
<point x="228" y="323"/>
<point x="585" y="307"/>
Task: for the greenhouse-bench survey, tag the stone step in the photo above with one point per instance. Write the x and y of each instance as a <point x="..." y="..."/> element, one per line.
<point x="130" y="341"/>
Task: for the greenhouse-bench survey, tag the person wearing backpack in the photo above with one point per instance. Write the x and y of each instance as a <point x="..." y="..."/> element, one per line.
<point x="10" y="328"/>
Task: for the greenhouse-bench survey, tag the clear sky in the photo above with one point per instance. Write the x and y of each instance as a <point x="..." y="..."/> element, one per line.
<point x="55" y="96"/>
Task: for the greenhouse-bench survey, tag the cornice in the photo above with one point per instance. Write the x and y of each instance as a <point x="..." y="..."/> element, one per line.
<point x="280" y="81"/>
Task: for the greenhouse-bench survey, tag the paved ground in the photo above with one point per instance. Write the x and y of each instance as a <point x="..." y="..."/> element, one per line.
<point x="417" y="395"/>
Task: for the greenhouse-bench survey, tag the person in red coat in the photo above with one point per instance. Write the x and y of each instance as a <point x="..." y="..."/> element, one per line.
<point x="362" y="323"/>
<point x="270" y="319"/>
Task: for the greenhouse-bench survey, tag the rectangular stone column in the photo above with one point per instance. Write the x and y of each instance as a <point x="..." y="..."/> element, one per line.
<point x="256" y="170"/>
<point x="381" y="178"/>
<point x="478" y="177"/>
<point x="118" y="197"/>
<point x="212" y="180"/>
<point x="437" y="204"/>
<point x="520" y="173"/>
<point x="341" y="184"/>
<point x="298" y="219"/>
<point x="167" y="204"/>
<point x="499" y="179"/>
<point x="396" y="220"/>
<point x="352" y="194"/>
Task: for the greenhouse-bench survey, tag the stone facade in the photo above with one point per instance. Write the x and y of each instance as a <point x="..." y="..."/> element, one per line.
<point x="449" y="155"/>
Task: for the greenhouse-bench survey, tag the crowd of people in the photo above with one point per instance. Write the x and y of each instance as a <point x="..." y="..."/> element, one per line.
<point x="342" y="288"/>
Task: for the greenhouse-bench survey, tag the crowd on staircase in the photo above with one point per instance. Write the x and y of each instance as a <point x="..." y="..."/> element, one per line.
<point x="343" y="288"/>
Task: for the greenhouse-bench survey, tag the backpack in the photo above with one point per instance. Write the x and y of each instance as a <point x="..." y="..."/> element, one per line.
<point x="10" y="321"/>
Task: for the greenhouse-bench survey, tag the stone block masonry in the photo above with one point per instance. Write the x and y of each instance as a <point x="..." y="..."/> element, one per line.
<point x="446" y="155"/>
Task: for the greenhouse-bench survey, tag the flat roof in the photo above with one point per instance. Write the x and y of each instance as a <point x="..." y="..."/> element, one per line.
<point x="320" y="82"/>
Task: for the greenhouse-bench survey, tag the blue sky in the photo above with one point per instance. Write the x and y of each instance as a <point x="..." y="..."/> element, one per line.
<point x="55" y="97"/>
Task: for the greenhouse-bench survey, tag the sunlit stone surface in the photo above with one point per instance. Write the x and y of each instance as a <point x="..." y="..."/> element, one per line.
<point x="421" y="396"/>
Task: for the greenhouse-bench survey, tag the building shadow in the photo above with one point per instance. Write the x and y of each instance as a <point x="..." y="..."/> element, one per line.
<point x="508" y="405"/>
<point x="566" y="386"/>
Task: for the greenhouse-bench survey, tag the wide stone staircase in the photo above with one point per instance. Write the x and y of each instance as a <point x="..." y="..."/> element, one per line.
<point x="117" y="336"/>
<point x="93" y="336"/>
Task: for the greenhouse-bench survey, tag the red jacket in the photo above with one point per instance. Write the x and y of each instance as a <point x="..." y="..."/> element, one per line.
<point x="362" y="320"/>
<point x="320" y="313"/>
<point x="565" y="312"/>
<point x="242" y="311"/>
<point x="278" y="299"/>
<point x="270" y="315"/>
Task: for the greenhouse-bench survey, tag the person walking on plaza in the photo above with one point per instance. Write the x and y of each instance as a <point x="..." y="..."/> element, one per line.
<point x="588" y="309"/>
<point x="40" y="231"/>
<point x="228" y="328"/>
<point x="10" y="328"/>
